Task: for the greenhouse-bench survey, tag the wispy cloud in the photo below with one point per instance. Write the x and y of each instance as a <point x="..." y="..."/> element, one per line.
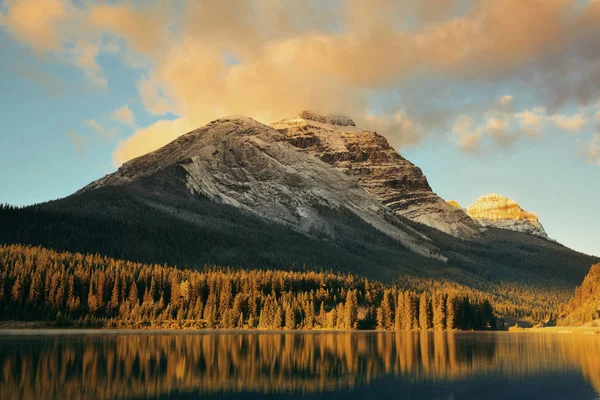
<point x="80" y="142"/>
<point x="591" y="150"/>
<point x="124" y="115"/>
<point x="531" y="122"/>
<point x="573" y="124"/>
<point x="101" y="130"/>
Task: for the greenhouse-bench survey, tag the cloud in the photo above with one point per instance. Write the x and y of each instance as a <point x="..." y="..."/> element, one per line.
<point x="85" y="59"/>
<point x="151" y="138"/>
<point x="497" y="124"/>
<point x="331" y="57"/>
<point x="286" y="67"/>
<point x="143" y="28"/>
<point x="591" y="150"/>
<point x="154" y="102"/>
<point x="100" y="129"/>
<point x="469" y="140"/>
<point x="79" y="142"/>
<point x="36" y="22"/>
<point x="497" y="128"/>
<point x="124" y="115"/>
<point x="506" y="103"/>
<point x="401" y="129"/>
<point x="532" y="121"/>
<point x="56" y="28"/>
<point x="573" y="124"/>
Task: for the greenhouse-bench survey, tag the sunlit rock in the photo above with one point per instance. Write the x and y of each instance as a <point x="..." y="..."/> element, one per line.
<point x="501" y="212"/>
<point x="368" y="157"/>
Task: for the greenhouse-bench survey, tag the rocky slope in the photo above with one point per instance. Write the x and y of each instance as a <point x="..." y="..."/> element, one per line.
<point x="240" y="162"/>
<point x="368" y="158"/>
<point x="501" y="212"/>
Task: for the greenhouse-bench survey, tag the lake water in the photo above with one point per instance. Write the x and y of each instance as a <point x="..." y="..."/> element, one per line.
<point x="255" y="365"/>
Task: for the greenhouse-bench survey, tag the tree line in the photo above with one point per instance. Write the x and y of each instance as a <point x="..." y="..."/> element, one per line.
<point x="94" y="290"/>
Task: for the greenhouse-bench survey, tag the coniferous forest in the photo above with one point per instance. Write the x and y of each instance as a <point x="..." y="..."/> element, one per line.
<point x="72" y="289"/>
<point x="584" y="307"/>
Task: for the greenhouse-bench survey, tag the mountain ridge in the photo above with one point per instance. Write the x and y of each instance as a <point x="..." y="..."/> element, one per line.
<point x="368" y="157"/>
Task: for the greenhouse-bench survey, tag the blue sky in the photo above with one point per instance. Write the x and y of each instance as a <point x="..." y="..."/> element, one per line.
<point x="476" y="107"/>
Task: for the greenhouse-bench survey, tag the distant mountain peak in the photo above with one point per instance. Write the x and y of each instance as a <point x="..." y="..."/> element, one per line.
<point x="455" y="204"/>
<point x="501" y="212"/>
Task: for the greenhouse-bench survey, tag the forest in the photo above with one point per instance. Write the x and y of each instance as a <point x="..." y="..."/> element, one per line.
<point x="129" y="224"/>
<point x="73" y="289"/>
<point x="584" y="307"/>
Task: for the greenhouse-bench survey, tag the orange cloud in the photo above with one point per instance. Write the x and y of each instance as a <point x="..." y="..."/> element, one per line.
<point x="36" y="22"/>
<point x="293" y="55"/>
<point x="144" y="29"/>
<point x="150" y="138"/>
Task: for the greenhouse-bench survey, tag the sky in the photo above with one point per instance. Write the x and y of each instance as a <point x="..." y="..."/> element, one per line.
<point x="486" y="96"/>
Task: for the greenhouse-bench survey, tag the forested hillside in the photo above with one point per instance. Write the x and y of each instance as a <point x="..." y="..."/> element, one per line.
<point x="92" y="290"/>
<point x="584" y="307"/>
<point x="526" y="278"/>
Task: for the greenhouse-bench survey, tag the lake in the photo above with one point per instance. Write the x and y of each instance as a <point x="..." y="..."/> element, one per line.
<point x="255" y="365"/>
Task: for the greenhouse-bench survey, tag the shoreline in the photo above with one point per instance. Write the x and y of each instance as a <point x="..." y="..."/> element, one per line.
<point x="576" y="330"/>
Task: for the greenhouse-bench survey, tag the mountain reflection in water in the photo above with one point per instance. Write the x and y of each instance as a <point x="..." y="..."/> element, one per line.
<point x="143" y="364"/>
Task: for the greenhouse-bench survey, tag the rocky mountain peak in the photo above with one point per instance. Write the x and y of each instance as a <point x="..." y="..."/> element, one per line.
<point x="336" y="120"/>
<point x="367" y="157"/>
<point x="494" y="207"/>
<point x="502" y="212"/>
<point x="240" y="162"/>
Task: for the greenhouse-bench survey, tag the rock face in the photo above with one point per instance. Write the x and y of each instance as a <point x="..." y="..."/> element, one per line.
<point x="454" y="204"/>
<point x="240" y="162"/>
<point x="368" y="158"/>
<point x="501" y="212"/>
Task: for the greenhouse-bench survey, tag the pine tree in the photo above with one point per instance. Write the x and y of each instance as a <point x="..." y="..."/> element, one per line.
<point x="351" y="310"/>
<point x="133" y="294"/>
<point x="439" y="314"/>
<point x="424" y="315"/>
<point x="114" y="298"/>
<point x="451" y="314"/>
<point x="386" y="310"/>
<point x="398" y="320"/>
<point x="380" y="319"/>
<point x="322" y="316"/>
<point x="17" y="292"/>
<point x="290" y="318"/>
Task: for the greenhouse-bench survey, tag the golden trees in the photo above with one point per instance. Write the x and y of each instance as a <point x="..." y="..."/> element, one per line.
<point x="91" y="290"/>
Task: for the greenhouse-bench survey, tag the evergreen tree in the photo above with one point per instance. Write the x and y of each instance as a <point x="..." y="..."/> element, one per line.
<point x="351" y="310"/>
<point x="424" y="314"/>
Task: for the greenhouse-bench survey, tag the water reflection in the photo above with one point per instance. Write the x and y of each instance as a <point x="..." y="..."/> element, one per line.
<point x="150" y="365"/>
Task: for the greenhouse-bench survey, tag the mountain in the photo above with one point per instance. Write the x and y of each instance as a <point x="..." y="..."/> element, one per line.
<point x="501" y="212"/>
<point x="240" y="162"/>
<point x="368" y="158"/>
<point x="584" y="306"/>
<point x="243" y="194"/>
